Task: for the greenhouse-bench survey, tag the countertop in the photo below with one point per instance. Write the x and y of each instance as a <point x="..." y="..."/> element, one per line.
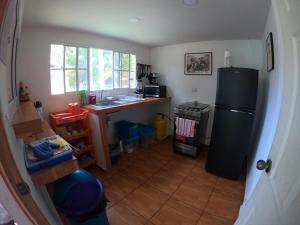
<point x="115" y="108"/>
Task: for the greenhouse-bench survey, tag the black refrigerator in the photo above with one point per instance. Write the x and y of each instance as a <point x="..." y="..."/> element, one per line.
<point x="233" y="121"/>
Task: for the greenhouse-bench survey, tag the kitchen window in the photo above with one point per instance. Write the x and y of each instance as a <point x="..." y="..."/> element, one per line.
<point x="124" y="70"/>
<point x="79" y="68"/>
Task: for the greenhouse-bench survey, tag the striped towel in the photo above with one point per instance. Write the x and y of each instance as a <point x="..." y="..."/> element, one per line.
<point x="185" y="127"/>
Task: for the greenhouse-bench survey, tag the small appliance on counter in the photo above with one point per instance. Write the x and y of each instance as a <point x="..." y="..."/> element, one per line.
<point x="139" y="89"/>
<point x="157" y="91"/>
<point x="153" y="89"/>
<point x="190" y="127"/>
<point x="152" y="77"/>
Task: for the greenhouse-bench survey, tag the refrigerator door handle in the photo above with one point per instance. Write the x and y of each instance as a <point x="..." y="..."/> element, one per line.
<point x="238" y="111"/>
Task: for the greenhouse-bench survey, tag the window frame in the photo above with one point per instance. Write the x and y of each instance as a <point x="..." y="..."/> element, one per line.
<point x="120" y="70"/>
<point x="88" y="69"/>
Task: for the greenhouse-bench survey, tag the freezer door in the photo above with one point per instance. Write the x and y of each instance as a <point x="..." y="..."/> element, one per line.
<point x="237" y="88"/>
<point x="229" y="144"/>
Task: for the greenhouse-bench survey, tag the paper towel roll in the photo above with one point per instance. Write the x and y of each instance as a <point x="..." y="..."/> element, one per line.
<point x="227" y="58"/>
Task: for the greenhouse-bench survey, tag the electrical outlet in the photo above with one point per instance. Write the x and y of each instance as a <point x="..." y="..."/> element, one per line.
<point x="194" y="90"/>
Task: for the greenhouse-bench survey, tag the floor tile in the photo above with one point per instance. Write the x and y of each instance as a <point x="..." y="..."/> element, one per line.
<point x="120" y="214"/>
<point x="200" y="176"/>
<point x="224" y="204"/>
<point x="99" y="173"/>
<point x="146" y="168"/>
<point x="162" y="157"/>
<point x="154" y="186"/>
<point x="117" y="187"/>
<point x="176" y="213"/>
<point x="146" y="200"/>
<point x="153" y="163"/>
<point x="194" y="194"/>
<point x="180" y="167"/>
<point x="136" y="174"/>
<point x="207" y="219"/>
<point x="166" y="181"/>
<point x="226" y="185"/>
<point x="164" y="148"/>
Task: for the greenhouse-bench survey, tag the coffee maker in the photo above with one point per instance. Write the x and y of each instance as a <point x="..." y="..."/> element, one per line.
<point x="153" y="77"/>
<point x="153" y="89"/>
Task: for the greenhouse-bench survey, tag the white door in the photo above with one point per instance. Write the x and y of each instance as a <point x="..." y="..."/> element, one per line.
<point x="276" y="199"/>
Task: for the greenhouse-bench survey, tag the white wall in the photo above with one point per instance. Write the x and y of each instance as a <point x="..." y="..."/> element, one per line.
<point x="34" y="59"/>
<point x="269" y="108"/>
<point x="169" y="62"/>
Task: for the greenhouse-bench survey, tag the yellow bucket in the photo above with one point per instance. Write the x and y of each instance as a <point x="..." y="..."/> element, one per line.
<point x="160" y="126"/>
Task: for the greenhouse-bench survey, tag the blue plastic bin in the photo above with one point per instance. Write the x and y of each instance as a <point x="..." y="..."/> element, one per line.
<point x="130" y="144"/>
<point x="147" y="135"/>
<point x="145" y="129"/>
<point x="126" y="129"/>
<point x="78" y="195"/>
<point x="100" y="219"/>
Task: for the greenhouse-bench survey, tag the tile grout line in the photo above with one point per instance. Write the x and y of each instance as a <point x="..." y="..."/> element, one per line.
<point x="148" y="178"/>
<point x="214" y="215"/>
<point x="165" y="161"/>
<point x="212" y="191"/>
<point x="160" y="169"/>
<point x="149" y="220"/>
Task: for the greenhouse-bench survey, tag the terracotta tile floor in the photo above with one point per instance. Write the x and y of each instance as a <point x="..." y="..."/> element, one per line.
<point x="154" y="186"/>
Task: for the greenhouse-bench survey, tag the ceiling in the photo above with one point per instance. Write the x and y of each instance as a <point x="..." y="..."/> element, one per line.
<point x="163" y="22"/>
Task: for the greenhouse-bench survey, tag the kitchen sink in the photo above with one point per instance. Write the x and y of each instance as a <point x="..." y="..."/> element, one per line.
<point x="106" y="103"/>
<point x="121" y="101"/>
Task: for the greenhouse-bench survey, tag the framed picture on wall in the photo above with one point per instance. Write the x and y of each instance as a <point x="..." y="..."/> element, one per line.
<point x="198" y="63"/>
<point x="270" y="52"/>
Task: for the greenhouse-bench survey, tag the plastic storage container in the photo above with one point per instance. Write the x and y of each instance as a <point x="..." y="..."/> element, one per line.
<point x="80" y="196"/>
<point x="147" y="135"/>
<point x="130" y="144"/>
<point x="67" y="116"/>
<point x="126" y="129"/>
<point x="78" y="193"/>
<point x="115" y="153"/>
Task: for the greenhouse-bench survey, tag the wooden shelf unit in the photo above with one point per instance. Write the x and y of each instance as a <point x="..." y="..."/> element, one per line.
<point x="78" y="152"/>
<point x="85" y="164"/>
<point x="142" y="70"/>
<point x="77" y="133"/>
<point x="26" y="119"/>
<point x="77" y="136"/>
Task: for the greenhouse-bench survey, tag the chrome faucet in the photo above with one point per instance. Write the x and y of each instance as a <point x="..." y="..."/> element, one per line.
<point x="101" y="95"/>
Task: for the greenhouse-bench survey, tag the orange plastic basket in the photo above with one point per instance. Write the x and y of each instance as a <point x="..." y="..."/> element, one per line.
<point x="68" y="117"/>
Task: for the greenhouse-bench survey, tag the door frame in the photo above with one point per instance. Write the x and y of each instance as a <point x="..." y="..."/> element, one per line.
<point x="9" y="171"/>
<point x="12" y="176"/>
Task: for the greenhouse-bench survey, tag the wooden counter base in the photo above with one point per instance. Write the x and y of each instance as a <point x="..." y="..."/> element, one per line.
<point x="103" y="111"/>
